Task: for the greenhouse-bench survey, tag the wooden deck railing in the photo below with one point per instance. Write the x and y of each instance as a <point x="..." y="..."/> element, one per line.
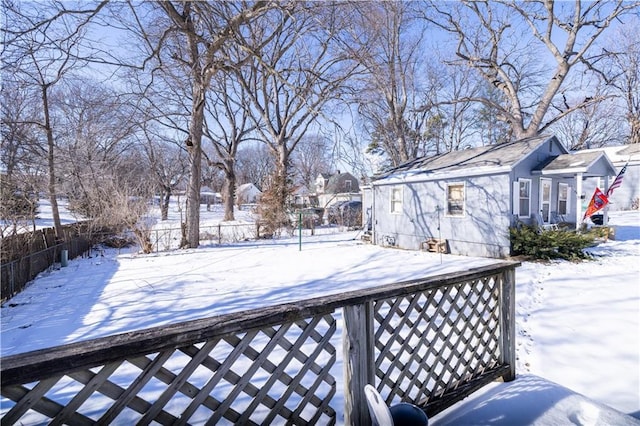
<point x="430" y="341"/>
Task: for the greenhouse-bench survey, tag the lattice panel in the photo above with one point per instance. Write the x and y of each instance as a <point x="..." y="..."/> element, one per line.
<point x="430" y="342"/>
<point x="274" y="375"/>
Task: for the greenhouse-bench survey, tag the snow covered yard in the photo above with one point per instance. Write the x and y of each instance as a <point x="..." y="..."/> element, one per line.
<point x="578" y="324"/>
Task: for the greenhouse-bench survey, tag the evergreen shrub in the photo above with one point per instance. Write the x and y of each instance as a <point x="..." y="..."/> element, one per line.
<point x="549" y="244"/>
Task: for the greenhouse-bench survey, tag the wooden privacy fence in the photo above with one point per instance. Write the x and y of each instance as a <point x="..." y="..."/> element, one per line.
<point x="26" y="255"/>
<point x="430" y="341"/>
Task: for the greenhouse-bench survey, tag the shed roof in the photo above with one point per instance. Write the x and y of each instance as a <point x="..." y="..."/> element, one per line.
<point x="486" y="159"/>
<point x="245" y="187"/>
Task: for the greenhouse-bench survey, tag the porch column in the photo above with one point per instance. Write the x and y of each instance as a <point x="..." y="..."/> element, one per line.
<point x="578" y="200"/>
<point x="605" y="211"/>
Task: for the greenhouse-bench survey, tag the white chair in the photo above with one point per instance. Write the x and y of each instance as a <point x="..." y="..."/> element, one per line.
<point x="537" y="218"/>
<point x="403" y="414"/>
<point x="380" y="414"/>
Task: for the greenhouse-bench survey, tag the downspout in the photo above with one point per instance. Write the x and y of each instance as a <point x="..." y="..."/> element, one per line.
<point x="578" y="200"/>
<point x="373" y="214"/>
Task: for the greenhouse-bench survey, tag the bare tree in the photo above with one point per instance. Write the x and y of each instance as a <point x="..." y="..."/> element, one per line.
<point x="622" y="72"/>
<point x="20" y="148"/>
<point x="592" y="126"/>
<point x="121" y="204"/>
<point x="254" y="164"/>
<point x="167" y="162"/>
<point x="227" y="125"/>
<point x="204" y="28"/>
<point x="21" y="157"/>
<point x="95" y="132"/>
<point x="360" y="160"/>
<point x="448" y="117"/>
<point x="386" y="41"/>
<point x="43" y="44"/>
<point x="509" y="43"/>
<point x="311" y="157"/>
<point x="297" y="74"/>
<point x="490" y="129"/>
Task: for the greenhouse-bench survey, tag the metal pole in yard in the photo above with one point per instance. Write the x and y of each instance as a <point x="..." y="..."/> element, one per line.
<point x="439" y="235"/>
<point x="299" y="231"/>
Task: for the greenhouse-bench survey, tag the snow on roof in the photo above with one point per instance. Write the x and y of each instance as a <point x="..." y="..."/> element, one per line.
<point x="618" y="153"/>
<point x="578" y="162"/>
<point x="246" y="187"/>
<point x="469" y="162"/>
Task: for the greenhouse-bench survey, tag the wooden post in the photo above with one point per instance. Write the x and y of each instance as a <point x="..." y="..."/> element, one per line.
<point x="358" y="359"/>
<point x="508" y="322"/>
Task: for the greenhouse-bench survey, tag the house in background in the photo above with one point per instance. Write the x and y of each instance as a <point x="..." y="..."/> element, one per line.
<point x="301" y="197"/>
<point x="321" y="182"/>
<point x="247" y="193"/>
<point x="335" y="188"/>
<point x="208" y="196"/>
<point x="627" y="196"/>
<point x="469" y="199"/>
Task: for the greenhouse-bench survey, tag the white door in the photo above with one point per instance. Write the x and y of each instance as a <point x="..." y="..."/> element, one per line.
<point x="545" y="199"/>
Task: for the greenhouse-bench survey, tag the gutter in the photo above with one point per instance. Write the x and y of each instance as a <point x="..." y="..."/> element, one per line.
<point x="429" y="176"/>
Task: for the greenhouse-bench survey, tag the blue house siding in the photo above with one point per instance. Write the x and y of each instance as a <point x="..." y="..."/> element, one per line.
<point x="482" y="230"/>
<point x="624" y="196"/>
<point x="490" y="176"/>
<point x="628" y="195"/>
<point x="536" y="182"/>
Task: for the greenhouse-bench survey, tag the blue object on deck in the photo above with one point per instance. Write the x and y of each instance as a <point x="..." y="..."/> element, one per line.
<point x="402" y="414"/>
<point x="405" y="414"/>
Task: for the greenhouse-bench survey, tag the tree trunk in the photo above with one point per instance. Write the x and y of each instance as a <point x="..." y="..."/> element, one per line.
<point x="634" y="123"/>
<point x="194" y="147"/>
<point x="229" y="193"/>
<point x="274" y="199"/>
<point x="164" y="204"/>
<point x="282" y="176"/>
<point x="57" y="224"/>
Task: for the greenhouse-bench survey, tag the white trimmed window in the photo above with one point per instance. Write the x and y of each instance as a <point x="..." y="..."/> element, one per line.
<point x="524" y="197"/>
<point x="396" y="200"/>
<point x="563" y="198"/>
<point x="455" y="199"/>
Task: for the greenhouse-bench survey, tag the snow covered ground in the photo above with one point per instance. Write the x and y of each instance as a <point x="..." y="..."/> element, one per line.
<point x="578" y="324"/>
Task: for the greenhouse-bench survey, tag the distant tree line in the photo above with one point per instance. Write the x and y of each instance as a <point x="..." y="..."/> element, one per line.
<point x="108" y="103"/>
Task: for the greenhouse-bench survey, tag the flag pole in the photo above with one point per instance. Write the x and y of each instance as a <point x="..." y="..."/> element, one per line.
<point x="578" y="200"/>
